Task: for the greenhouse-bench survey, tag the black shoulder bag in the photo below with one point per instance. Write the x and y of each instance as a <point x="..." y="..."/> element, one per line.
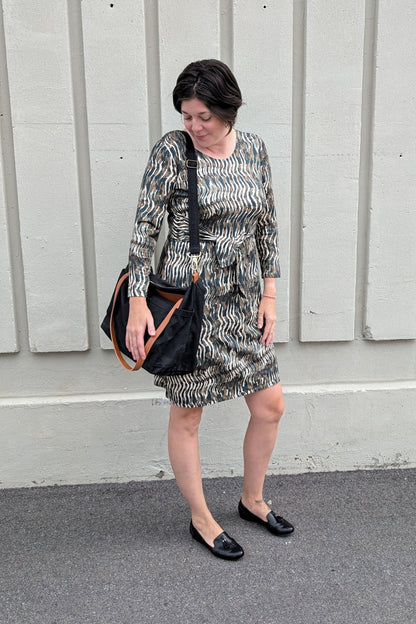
<point x="177" y="312"/>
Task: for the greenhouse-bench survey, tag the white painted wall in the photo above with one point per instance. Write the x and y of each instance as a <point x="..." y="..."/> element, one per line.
<point x="85" y="91"/>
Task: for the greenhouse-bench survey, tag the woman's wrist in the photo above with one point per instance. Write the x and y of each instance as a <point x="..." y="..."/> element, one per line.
<point x="137" y="302"/>
<point x="269" y="287"/>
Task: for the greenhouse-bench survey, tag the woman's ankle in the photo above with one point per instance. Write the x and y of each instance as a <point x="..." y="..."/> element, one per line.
<point x="252" y="500"/>
<point x="202" y="518"/>
<point x="256" y="505"/>
<point x="207" y="527"/>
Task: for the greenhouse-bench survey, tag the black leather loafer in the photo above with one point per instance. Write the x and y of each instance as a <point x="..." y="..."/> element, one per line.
<point x="224" y="545"/>
<point x="275" y="524"/>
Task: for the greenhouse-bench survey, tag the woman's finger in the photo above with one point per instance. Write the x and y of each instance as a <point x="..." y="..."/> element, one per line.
<point x="268" y="332"/>
<point x="140" y="347"/>
<point x="135" y="343"/>
<point x="260" y="317"/>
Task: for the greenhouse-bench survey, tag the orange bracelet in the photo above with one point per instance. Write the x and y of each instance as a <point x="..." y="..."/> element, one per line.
<point x="269" y="296"/>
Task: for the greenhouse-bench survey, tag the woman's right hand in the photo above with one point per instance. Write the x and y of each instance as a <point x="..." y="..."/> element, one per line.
<point x="140" y="318"/>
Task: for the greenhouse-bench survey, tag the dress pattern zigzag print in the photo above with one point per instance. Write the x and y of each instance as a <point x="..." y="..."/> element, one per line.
<point x="239" y="244"/>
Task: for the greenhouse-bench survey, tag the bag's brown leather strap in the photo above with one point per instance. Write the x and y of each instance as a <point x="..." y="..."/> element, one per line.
<point x="151" y="340"/>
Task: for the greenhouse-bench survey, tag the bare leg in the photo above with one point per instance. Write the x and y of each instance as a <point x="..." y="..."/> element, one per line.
<point x="266" y="408"/>
<point x="186" y="465"/>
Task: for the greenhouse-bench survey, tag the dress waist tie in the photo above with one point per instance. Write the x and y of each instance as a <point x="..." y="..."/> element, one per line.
<point x="236" y="254"/>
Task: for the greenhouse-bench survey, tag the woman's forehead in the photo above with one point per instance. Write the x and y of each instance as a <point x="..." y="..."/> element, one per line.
<point x="194" y="105"/>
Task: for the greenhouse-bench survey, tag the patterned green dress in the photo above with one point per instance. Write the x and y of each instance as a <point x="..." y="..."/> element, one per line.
<point x="239" y="243"/>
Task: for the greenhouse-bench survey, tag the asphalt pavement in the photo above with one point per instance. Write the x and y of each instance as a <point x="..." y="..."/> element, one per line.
<point x="122" y="554"/>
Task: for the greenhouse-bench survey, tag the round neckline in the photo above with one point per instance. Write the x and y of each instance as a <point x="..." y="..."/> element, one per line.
<point x="237" y="141"/>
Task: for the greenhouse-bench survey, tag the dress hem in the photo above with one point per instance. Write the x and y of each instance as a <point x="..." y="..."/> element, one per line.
<point x="271" y="378"/>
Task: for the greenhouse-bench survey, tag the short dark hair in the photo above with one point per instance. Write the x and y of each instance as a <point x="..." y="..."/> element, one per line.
<point x="212" y="82"/>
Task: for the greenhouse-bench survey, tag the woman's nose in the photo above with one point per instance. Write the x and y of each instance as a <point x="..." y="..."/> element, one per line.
<point x="196" y="125"/>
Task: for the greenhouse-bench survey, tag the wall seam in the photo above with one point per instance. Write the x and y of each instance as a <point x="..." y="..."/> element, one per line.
<point x="157" y="397"/>
<point x="79" y="99"/>
<point x="366" y="167"/>
<point x="297" y="168"/>
<point x="154" y="98"/>
<point x="12" y="200"/>
<point x="226" y="28"/>
<point x="154" y="109"/>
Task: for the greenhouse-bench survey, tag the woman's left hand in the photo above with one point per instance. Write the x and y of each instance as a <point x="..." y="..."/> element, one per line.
<point x="266" y="319"/>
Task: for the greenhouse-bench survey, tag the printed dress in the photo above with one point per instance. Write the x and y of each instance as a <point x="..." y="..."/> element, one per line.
<point x="239" y="244"/>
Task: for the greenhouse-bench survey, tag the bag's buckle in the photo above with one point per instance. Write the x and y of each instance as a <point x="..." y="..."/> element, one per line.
<point x="194" y="261"/>
<point x="191" y="163"/>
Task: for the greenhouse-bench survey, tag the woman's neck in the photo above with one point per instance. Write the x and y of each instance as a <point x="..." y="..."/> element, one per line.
<point x="221" y="150"/>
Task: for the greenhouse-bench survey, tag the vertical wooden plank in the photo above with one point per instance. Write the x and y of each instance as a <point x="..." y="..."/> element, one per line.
<point x="334" y="51"/>
<point x="115" y="71"/>
<point x="391" y="292"/>
<point x="40" y="86"/>
<point x="189" y="31"/>
<point x="263" y="67"/>
<point x="8" y="343"/>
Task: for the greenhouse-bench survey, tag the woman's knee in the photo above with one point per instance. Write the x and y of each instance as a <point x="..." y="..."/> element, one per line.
<point x="267" y="405"/>
<point x="280" y="408"/>
<point x="273" y="411"/>
<point x="278" y="405"/>
<point x="185" y="419"/>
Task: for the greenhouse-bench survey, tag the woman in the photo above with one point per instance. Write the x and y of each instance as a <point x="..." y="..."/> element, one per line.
<point x="237" y="229"/>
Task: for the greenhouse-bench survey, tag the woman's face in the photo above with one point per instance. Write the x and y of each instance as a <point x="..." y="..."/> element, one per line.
<point x="205" y="129"/>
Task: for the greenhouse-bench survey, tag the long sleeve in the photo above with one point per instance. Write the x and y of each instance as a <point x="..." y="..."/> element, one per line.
<point x="267" y="231"/>
<point x="157" y="186"/>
